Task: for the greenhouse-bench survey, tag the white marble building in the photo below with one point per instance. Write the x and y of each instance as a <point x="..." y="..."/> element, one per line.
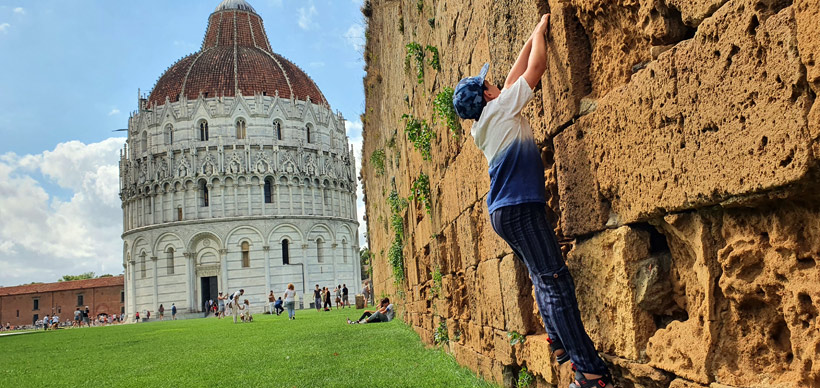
<point x="236" y="174"/>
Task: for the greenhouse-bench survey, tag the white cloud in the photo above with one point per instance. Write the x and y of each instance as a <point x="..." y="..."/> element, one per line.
<point x="4" y="27"/>
<point x="20" y="11"/>
<point x="306" y="15"/>
<point x="354" y="133"/>
<point x="355" y="37"/>
<point x="43" y="237"/>
<point x="114" y="112"/>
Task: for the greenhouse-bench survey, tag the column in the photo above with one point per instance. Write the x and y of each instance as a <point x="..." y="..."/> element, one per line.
<point x="184" y="210"/>
<point x="222" y="196"/>
<point x="156" y="285"/>
<point x="173" y="205"/>
<point x="161" y="205"/>
<point x="236" y="199"/>
<point x="303" y="190"/>
<point x="266" y="249"/>
<point x="133" y="288"/>
<point x="262" y="191"/>
<point x="249" y="186"/>
<point x="197" y="202"/>
<point x="223" y="264"/>
<point x="308" y="281"/>
<point x="335" y="253"/>
<point x="210" y="187"/>
<point x="357" y="269"/>
<point x="189" y="286"/>
<point x="278" y="199"/>
<point x="290" y="195"/>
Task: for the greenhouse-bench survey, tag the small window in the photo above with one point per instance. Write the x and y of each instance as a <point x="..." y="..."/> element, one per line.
<point x="142" y="267"/>
<point x="320" y="250"/>
<point x="268" y="190"/>
<point x="344" y="251"/>
<point x="203" y="130"/>
<point x="169" y="134"/>
<point x="241" y="132"/>
<point x="170" y="259"/>
<point x="122" y="296"/>
<point x="285" y="252"/>
<point x="308" y="129"/>
<point x="18" y="313"/>
<point x="80" y="300"/>
<point x="179" y="213"/>
<point x="246" y="255"/>
<point x="277" y="129"/>
<point x="144" y="142"/>
<point x="36" y="304"/>
<point x="204" y="200"/>
<point x="122" y="310"/>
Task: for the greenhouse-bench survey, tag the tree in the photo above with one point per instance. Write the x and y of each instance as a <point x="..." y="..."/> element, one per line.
<point x="365" y="256"/>
<point x="82" y="276"/>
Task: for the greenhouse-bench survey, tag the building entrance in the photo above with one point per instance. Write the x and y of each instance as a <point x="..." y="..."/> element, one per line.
<point x="209" y="287"/>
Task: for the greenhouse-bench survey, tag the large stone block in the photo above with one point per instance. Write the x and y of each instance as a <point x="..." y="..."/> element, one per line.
<point x="489" y="294"/>
<point x="490" y="245"/>
<point x="607" y="270"/>
<point x="539" y="357"/>
<point x="662" y="144"/>
<point x="517" y="297"/>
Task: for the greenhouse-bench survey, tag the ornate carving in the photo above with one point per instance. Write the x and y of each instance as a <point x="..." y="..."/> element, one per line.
<point x="235" y="164"/>
<point x="183" y="167"/>
<point x="208" y="165"/>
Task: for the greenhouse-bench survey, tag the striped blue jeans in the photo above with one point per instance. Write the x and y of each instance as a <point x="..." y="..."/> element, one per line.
<point x="526" y="229"/>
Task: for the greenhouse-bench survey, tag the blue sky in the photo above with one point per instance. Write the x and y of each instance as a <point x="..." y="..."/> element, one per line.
<point x="69" y="76"/>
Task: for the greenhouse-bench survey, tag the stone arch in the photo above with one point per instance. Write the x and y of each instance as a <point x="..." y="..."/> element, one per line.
<point x="321" y="230"/>
<point x="139" y="242"/>
<point x="201" y="237"/>
<point x="231" y="235"/>
<point x="167" y="239"/>
<point x="286" y="229"/>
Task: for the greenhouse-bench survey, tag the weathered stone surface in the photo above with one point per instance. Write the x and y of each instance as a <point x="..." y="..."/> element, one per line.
<point x="682" y="383"/>
<point x="488" y="287"/>
<point x="516" y="294"/>
<point x="605" y="269"/>
<point x="539" y="358"/>
<point x="628" y="373"/>
<point x="664" y="144"/>
<point x="692" y="12"/>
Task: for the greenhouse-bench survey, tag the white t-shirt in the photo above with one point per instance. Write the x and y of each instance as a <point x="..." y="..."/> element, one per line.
<point x="505" y="137"/>
<point x="290" y="295"/>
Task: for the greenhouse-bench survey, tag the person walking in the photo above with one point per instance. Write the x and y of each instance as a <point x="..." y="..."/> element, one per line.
<point x="161" y="312"/>
<point x="137" y="316"/>
<point x="317" y="298"/>
<point x="326" y="295"/>
<point x="220" y="300"/>
<point x="271" y="301"/>
<point x="516" y="200"/>
<point x="86" y="313"/>
<point x="173" y="312"/>
<point x="338" y="293"/>
<point x="345" y="301"/>
<point x="77" y="316"/>
<point x="290" y="301"/>
<point x="46" y="323"/>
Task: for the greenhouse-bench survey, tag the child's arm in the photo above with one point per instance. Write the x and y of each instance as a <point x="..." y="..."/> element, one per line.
<point x="537" y="61"/>
<point x="520" y="64"/>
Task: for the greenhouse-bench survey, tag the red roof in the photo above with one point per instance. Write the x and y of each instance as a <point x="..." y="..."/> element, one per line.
<point x="235" y="56"/>
<point x="109" y="281"/>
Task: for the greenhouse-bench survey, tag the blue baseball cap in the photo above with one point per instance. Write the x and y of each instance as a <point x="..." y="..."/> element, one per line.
<point x="468" y="98"/>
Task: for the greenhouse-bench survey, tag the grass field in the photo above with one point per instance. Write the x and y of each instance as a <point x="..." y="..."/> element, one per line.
<point x="318" y="349"/>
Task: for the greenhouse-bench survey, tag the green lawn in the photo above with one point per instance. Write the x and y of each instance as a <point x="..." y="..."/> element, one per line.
<point x="318" y="349"/>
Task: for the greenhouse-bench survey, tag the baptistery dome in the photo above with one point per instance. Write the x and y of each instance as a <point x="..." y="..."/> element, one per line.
<point x="236" y="56"/>
<point x="235" y="174"/>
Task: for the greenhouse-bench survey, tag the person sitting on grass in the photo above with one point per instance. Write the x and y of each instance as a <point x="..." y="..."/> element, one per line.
<point x="384" y="314"/>
<point x="246" y="311"/>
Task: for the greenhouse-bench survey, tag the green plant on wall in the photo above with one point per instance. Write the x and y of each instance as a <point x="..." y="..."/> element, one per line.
<point x="420" y="5"/>
<point x="420" y="191"/>
<point x="516" y="338"/>
<point x="377" y="161"/>
<point x="395" y="255"/>
<point x="435" y="289"/>
<point x="434" y="62"/>
<point x="443" y="110"/>
<point x="401" y="24"/>
<point x="525" y="378"/>
<point x="420" y="134"/>
<point x="416" y="53"/>
<point x="440" y="336"/>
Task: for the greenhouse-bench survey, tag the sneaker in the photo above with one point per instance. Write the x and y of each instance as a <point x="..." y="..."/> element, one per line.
<point x="582" y="382"/>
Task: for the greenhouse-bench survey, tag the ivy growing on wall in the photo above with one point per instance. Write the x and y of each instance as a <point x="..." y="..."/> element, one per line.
<point x="444" y="111"/>
<point x="377" y="161"/>
<point x="440" y="336"/>
<point x="416" y="53"/>
<point x="434" y="62"/>
<point x="419" y="132"/>
<point x="435" y="289"/>
<point x="420" y="191"/>
<point x="395" y="255"/>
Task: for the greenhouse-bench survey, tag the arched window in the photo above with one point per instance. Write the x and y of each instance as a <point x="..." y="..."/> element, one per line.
<point x="308" y="129"/>
<point x="246" y="254"/>
<point x="144" y="141"/>
<point x="142" y="265"/>
<point x="344" y="251"/>
<point x="241" y="131"/>
<point x="204" y="199"/>
<point x="203" y="130"/>
<point x="269" y="190"/>
<point x="179" y="213"/>
<point x="170" y="261"/>
<point x="320" y="250"/>
<point x="169" y="134"/>
<point x="285" y="252"/>
<point x="277" y="129"/>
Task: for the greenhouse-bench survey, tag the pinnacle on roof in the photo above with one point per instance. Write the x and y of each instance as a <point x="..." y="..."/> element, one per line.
<point x="241" y="5"/>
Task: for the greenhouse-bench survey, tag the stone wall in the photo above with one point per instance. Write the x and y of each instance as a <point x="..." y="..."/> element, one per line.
<point x="680" y="146"/>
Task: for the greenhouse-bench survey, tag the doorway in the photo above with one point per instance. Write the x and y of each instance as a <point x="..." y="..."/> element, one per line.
<point x="210" y="289"/>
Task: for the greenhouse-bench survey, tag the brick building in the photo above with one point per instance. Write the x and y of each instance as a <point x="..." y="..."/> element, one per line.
<point x="23" y="305"/>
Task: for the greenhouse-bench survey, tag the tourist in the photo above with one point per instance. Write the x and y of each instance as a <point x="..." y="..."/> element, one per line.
<point x="55" y="321"/>
<point x="147" y="315"/>
<point x="161" y="311"/>
<point x="137" y="316"/>
<point x="338" y="293"/>
<point x="173" y="312"/>
<point x="85" y="316"/>
<point x="326" y="295"/>
<point x="46" y="323"/>
<point x="317" y="298"/>
<point x="214" y="309"/>
<point x="366" y="292"/>
<point x="234" y="303"/>
<point x="220" y="300"/>
<point x="278" y="306"/>
<point x="271" y="301"/>
<point x="345" y="301"/>
<point x="77" y="316"/>
<point x="290" y="300"/>
<point x="516" y="200"/>
<point x="385" y="313"/>
<point x="246" y="311"/>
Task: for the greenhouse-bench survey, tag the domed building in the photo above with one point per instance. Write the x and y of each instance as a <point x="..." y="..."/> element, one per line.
<point x="236" y="174"/>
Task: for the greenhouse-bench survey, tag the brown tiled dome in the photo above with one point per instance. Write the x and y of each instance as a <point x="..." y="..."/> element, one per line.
<point x="236" y="56"/>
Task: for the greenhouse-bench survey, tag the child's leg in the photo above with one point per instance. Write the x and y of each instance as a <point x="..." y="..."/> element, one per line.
<point x="526" y="229"/>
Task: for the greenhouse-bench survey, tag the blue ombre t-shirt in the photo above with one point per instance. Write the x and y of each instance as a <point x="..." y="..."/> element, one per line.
<point x="505" y="137"/>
